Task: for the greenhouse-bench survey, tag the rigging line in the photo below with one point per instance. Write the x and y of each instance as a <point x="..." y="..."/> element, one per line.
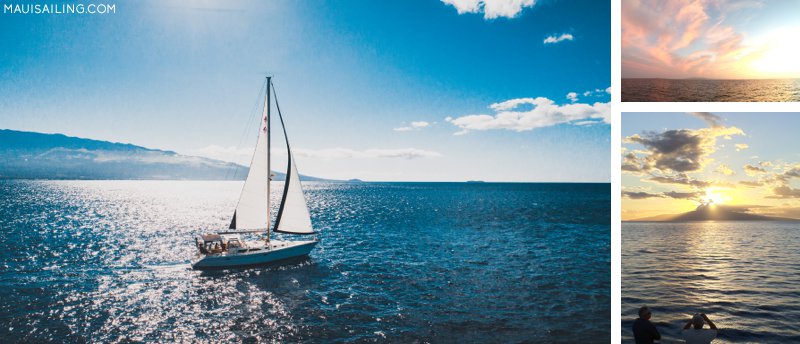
<point x="281" y="117"/>
<point x="245" y="130"/>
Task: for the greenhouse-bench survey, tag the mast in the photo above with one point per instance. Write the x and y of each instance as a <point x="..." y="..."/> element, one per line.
<point x="269" y="169"/>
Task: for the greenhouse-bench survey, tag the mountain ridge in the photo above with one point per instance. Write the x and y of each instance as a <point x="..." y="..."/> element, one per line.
<point x="32" y="155"/>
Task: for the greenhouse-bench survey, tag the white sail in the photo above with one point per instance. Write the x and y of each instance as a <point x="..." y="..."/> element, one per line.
<point x="293" y="216"/>
<point x="252" y="211"/>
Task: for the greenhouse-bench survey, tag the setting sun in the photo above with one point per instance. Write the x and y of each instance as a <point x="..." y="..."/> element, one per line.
<point x="780" y="58"/>
<point x="717" y="196"/>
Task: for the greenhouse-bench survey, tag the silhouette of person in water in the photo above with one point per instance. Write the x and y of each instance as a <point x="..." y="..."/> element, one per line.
<point x="644" y="332"/>
<point x="698" y="335"/>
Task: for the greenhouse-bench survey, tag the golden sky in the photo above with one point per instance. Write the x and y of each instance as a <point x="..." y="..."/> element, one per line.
<point x="674" y="162"/>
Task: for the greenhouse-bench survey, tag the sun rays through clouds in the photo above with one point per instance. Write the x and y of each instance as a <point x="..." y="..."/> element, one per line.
<point x="670" y="171"/>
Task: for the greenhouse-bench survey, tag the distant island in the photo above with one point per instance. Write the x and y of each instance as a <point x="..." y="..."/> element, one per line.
<point x="475" y="181"/>
<point x="711" y="212"/>
<point x="30" y="155"/>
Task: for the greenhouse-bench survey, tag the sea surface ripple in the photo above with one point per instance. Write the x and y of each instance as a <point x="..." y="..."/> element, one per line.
<point x="744" y="275"/>
<point x="108" y="261"/>
<point x="701" y="90"/>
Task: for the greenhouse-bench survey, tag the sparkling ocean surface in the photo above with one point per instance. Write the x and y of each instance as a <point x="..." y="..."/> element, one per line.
<point x="744" y="275"/>
<point x="108" y="261"/>
<point x="668" y="90"/>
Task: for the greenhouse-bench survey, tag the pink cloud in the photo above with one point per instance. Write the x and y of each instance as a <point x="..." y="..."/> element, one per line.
<point x="683" y="38"/>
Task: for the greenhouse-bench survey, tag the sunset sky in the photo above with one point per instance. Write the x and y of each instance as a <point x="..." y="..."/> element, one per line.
<point x="673" y="162"/>
<point x="724" y="39"/>
<point x="417" y="90"/>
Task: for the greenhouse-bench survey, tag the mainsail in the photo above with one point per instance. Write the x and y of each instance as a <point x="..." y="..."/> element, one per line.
<point x="252" y="211"/>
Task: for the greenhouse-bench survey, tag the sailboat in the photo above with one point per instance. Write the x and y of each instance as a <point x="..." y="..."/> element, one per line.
<point x="227" y="249"/>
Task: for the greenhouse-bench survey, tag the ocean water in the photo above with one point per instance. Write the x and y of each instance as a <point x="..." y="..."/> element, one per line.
<point x="668" y="90"/>
<point x="108" y="261"/>
<point x="744" y="275"/>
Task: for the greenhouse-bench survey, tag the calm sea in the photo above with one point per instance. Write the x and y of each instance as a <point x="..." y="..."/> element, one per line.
<point x="668" y="90"/>
<point x="744" y="275"/>
<point x="108" y="261"/>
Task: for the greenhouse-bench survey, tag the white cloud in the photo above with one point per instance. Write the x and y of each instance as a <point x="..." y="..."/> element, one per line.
<point x="346" y="153"/>
<point x="506" y="105"/>
<point x="598" y="93"/>
<point x="554" y="39"/>
<point x="414" y="126"/>
<point x="491" y="8"/>
<point x="572" y="96"/>
<point x="544" y="113"/>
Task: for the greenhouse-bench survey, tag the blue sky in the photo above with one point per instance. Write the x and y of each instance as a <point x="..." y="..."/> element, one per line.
<point x="351" y="78"/>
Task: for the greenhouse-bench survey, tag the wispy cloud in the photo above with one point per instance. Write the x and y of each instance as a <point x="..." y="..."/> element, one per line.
<point x="240" y="156"/>
<point x="724" y="170"/>
<point x="544" y="113"/>
<point x="711" y="119"/>
<point x="346" y="153"/>
<point x="669" y="194"/>
<point x="751" y="170"/>
<point x="491" y="9"/>
<point x="555" y="39"/>
<point x="414" y="126"/>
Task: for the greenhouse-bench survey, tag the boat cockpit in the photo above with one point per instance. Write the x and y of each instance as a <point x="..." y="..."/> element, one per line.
<point x="217" y="244"/>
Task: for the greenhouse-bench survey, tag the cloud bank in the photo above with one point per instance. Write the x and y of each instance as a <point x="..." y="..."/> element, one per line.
<point x="346" y="153"/>
<point x="544" y="113"/>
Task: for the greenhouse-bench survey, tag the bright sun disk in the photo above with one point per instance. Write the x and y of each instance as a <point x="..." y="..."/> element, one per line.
<point x="782" y="55"/>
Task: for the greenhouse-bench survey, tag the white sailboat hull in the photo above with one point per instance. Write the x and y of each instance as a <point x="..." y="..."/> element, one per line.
<point x="261" y="254"/>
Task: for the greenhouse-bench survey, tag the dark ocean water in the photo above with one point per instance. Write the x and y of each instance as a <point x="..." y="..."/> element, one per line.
<point x="108" y="261"/>
<point x="668" y="90"/>
<point x="744" y="275"/>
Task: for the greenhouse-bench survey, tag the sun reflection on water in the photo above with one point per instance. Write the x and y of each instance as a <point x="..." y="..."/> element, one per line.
<point x="742" y="274"/>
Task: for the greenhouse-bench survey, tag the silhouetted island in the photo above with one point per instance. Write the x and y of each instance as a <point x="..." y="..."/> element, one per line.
<point x="712" y="212"/>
